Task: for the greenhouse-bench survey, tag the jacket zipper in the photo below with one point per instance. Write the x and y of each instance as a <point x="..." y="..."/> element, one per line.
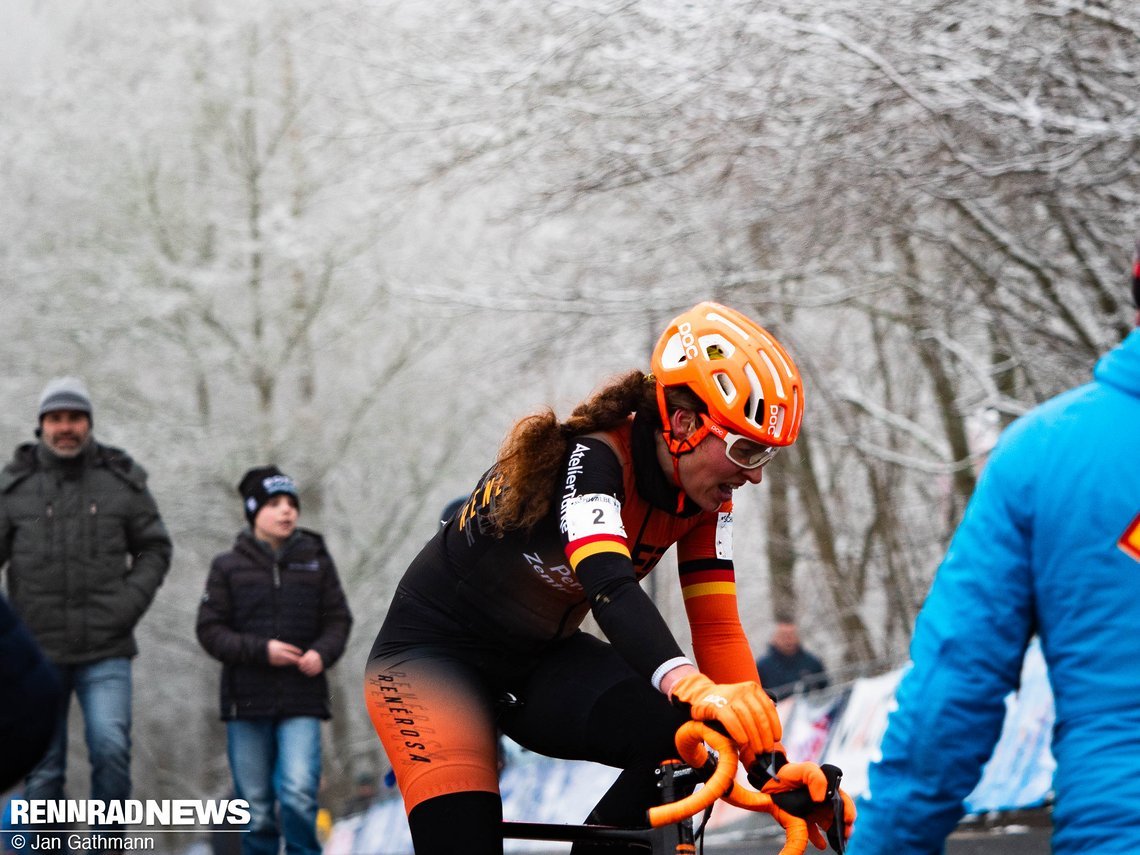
<point x="93" y="528"/>
<point x="49" y="551"/>
<point x="277" y="632"/>
<point x="49" y="529"/>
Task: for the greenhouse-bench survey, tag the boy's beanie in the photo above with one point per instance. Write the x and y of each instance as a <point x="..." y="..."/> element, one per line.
<point x="262" y="483"/>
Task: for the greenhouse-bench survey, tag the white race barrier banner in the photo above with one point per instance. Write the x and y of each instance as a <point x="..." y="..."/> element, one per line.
<point x="856" y="736"/>
<point x="534" y="789"/>
<point x="1020" y="772"/>
<point x="540" y="789"/>
<point x="808" y="722"/>
<point x="342" y="838"/>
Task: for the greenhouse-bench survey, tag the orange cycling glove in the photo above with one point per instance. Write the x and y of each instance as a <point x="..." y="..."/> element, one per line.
<point x="746" y="712"/>
<point x="812" y="793"/>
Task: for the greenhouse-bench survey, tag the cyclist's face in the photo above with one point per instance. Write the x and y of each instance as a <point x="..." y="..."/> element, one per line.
<point x="709" y="477"/>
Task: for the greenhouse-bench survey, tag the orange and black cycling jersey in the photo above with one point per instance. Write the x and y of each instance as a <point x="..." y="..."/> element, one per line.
<point x="613" y="520"/>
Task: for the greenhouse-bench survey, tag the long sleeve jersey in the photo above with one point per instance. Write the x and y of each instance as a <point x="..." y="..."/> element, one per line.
<point x="613" y="520"/>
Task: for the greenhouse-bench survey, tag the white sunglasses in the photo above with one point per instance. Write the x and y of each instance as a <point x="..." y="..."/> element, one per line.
<point x="742" y="451"/>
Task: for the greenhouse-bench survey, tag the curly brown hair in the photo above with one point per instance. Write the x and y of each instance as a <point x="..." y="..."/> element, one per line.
<point x="530" y="457"/>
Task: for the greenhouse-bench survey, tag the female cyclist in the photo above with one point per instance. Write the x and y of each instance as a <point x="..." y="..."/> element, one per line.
<point x="566" y="522"/>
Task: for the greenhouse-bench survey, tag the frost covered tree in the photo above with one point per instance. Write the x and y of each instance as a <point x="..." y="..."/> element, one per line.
<point x="361" y="239"/>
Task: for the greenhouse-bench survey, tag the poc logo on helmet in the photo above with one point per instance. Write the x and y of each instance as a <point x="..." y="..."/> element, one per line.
<point x="687" y="340"/>
<point x="774" y="420"/>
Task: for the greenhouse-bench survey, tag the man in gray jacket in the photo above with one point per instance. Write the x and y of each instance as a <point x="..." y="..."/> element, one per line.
<point x="85" y="550"/>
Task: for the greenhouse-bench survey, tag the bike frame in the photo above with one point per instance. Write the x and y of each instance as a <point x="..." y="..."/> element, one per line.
<point x="676" y="838"/>
<point x="710" y="757"/>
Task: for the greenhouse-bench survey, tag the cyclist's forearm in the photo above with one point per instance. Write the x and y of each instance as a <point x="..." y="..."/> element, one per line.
<point x="634" y="626"/>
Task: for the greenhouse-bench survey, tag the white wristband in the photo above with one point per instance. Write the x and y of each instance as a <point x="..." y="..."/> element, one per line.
<point x="667" y="666"/>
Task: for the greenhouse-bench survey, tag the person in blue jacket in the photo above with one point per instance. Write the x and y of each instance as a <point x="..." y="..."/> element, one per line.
<point x="1050" y="545"/>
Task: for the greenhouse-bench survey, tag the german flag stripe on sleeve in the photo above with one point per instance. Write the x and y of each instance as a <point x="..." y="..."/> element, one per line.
<point x="707" y="576"/>
<point x="704" y="589"/>
<point x="698" y="566"/>
<point x="579" y="550"/>
<point x="701" y="578"/>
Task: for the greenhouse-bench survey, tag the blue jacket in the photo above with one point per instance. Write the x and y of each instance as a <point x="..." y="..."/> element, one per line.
<point x="785" y="675"/>
<point x="1049" y="544"/>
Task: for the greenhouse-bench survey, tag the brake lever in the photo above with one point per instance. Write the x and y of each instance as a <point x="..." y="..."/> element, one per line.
<point x="838" y="841"/>
<point x="767" y="764"/>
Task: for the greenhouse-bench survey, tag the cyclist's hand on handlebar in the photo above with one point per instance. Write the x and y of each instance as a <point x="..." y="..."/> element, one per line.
<point x="812" y="793"/>
<point x="746" y="712"/>
<point x="842" y="815"/>
<point x="840" y="822"/>
<point x="762" y="767"/>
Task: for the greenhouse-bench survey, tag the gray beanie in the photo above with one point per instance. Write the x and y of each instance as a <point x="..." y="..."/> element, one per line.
<point x="65" y="393"/>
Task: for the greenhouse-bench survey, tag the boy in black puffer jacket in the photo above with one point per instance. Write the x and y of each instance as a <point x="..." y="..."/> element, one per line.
<point x="275" y="615"/>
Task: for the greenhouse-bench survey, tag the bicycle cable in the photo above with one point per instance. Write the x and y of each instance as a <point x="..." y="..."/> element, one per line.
<point x="699" y="831"/>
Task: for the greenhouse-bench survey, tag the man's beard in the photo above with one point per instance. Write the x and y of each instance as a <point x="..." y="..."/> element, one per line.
<point x="70" y="452"/>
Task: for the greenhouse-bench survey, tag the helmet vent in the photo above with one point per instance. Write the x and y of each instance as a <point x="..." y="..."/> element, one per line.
<point x="720" y="318"/>
<point x="715" y="346"/>
<point x="788" y="370"/>
<point x="755" y="405"/>
<point x="724" y="383"/>
<point x="776" y="378"/>
<point x="674" y="356"/>
<point x="755" y="408"/>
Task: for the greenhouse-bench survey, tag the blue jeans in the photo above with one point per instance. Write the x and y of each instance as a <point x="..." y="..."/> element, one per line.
<point x="277" y="760"/>
<point x="104" y="692"/>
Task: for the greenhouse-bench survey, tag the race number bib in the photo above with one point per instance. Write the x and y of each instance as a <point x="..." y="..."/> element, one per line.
<point x="724" y="536"/>
<point x="593" y="514"/>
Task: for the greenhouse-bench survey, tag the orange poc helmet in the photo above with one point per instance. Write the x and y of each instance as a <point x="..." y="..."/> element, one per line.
<point x="743" y="375"/>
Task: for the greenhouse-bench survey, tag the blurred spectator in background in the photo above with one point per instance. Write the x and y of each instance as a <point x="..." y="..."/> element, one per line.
<point x="787" y="668"/>
<point x="1049" y="545"/>
<point x="86" y="551"/>
<point x="450" y="508"/>
<point x="275" y="615"/>
<point x="364" y="793"/>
